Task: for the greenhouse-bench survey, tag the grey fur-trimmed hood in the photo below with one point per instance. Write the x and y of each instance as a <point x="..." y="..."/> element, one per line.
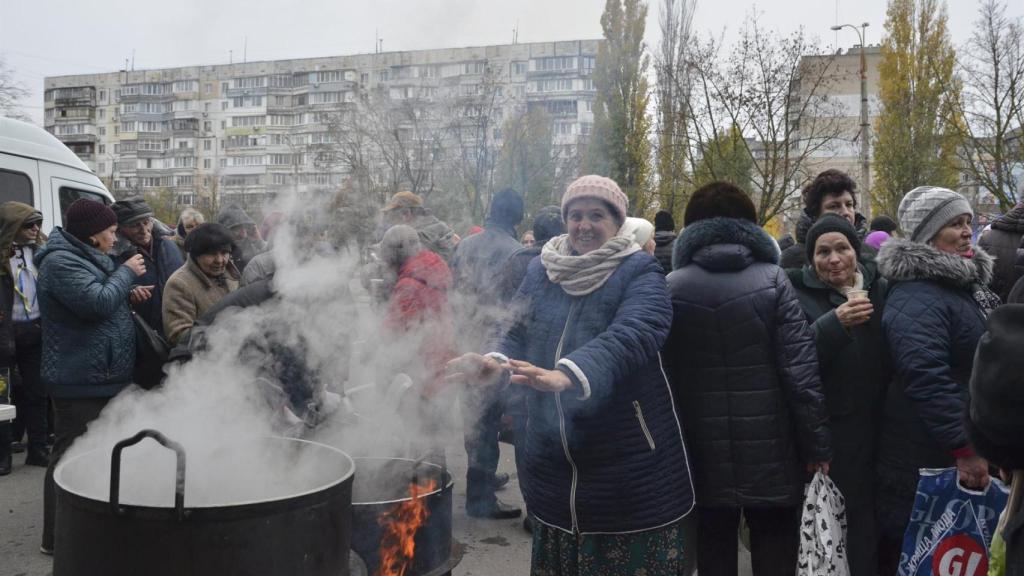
<point x="724" y="231"/>
<point x="902" y="260"/>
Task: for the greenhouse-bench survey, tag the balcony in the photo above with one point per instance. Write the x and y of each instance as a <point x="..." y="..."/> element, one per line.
<point x="77" y="138"/>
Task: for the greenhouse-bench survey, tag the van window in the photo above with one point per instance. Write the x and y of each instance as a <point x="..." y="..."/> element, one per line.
<point x="68" y="195"/>
<point x="16" y="186"/>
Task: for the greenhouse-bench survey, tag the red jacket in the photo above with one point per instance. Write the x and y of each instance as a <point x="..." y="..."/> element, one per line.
<point x="419" y="300"/>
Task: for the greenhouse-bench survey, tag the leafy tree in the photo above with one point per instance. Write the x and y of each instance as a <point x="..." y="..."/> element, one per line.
<point x="915" y="144"/>
<point x="725" y="159"/>
<point x="673" y="91"/>
<point x="619" y="147"/>
<point x="526" y="162"/>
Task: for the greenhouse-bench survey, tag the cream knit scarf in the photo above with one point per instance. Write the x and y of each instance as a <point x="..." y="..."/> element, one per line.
<point x="580" y="275"/>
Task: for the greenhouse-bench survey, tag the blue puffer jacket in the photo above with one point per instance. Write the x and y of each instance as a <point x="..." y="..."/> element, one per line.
<point x="88" y="335"/>
<point x="613" y="462"/>
<point x="932" y="324"/>
<point x="744" y="362"/>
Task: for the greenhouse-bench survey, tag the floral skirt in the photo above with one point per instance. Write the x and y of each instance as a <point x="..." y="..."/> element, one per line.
<point x="651" y="553"/>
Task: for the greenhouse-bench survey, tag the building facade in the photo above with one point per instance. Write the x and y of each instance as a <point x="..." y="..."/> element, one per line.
<point x="247" y="131"/>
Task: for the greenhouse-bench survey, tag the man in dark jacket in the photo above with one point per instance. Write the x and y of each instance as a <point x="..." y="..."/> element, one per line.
<point x="831" y="191"/>
<point x="477" y="263"/>
<point x="20" y="329"/>
<point x="995" y="426"/>
<point x="248" y="242"/>
<point x="1002" y="241"/>
<point x="407" y="208"/>
<point x="664" y="237"/>
<point x="744" y="363"/>
<point x="159" y="252"/>
<point x="546" y="225"/>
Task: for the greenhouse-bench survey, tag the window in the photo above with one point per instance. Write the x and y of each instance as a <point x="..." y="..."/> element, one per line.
<point x="128" y="126"/>
<point x="183" y="180"/>
<point x="207" y="127"/>
<point x="382" y="76"/>
<point x="246" y="121"/>
<point x="186" y="86"/>
<point x="474" y="67"/>
<point x="208" y="89"/>
<point x="206" y="163"/>
<point x="206" y="145"/>
<point x="103" y="96"/>
<point x="327" y="76"/>
<point x="16" y="187"/>
<point x="519" y="68"/>
<point x="223" y="162"/>
<point x="101" y="113"/>
<point x="102" y="130"/>
<point x="103" y="148"/>
<point x="251" y="82"/>
<point x="559" y="63"/>
<point x="326" y="98"/>
<point x="223" y="87"/>
<point x="588" y="63"/>
<point x="68" y="195"/>
<point x="184" y="161"/>
<point x="224" y="105"/>
<point x="101" y="167"/>
<point x="563" y="128"/>
<point x="223" y="124"/>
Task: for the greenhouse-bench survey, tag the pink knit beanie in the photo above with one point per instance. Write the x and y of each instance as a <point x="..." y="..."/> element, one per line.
<point x="593" y="186"/>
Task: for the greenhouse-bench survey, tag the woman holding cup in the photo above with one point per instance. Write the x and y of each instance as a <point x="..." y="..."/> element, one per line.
<point x="843" y="299"/>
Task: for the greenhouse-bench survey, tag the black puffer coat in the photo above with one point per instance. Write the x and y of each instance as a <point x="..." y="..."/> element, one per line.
<point x="743" y="360"/>
<point x="932" y="325"/>
<point x="1003" y="241"/>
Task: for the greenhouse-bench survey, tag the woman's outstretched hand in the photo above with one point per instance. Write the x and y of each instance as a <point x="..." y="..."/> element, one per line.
<point x="538" y="378"/>
<point x="472" y="368"/>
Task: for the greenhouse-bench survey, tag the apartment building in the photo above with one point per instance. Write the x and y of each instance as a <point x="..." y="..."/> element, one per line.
<point x="245" y="130"/>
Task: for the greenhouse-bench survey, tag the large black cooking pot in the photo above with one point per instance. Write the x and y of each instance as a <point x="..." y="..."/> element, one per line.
<point x="295" y="523"/>
<point x="381" y="485"/>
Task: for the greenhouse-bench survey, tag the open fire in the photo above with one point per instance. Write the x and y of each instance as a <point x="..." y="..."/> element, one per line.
<point x="398" y="542"/>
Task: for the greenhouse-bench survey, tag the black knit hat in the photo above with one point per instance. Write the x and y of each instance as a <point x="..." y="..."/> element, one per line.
<point x="996" y="428"/>
<point x="85" y="218"/>
<point x="507" y="207"/>
<point x="719" y="200"/>
<point x="829" y="222"/>
<point x="547" y="224"/>
<point x="208" y="239"/>
<point x="885" y="224"/>
<point x="663" y="222"/>
<point x="131" y="209"/>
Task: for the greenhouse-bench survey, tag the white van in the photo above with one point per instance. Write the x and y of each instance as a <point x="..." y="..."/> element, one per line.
<point x="38" y="169"/>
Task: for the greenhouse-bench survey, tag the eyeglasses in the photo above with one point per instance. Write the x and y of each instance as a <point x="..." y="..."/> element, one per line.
<point x="31" y="225"/>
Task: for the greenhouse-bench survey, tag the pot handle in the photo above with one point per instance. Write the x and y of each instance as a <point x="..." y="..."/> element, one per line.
<point x="179" y="480"/>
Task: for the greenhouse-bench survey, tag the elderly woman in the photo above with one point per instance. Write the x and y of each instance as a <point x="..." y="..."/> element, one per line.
<point x="933" y="319"/>
<point x="605" y="471"/>
<point x="742" y="357"/>
<point x="88" y="335"/>
<point x="843" y="298"/>
<point x="207" y="276"/>
<point x="189" y="220"/>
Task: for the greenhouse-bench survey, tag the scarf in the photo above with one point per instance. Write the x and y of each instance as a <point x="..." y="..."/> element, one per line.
<point x="580" y="275"/>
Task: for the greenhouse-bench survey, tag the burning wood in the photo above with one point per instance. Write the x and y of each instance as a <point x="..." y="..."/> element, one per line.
<point x="398" y="543"/>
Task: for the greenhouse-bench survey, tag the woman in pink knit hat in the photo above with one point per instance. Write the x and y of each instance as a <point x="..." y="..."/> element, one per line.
<point x="604" y="471"/>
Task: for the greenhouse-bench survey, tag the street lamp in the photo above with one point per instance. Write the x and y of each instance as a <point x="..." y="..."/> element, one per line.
<point x="865" y="167"/>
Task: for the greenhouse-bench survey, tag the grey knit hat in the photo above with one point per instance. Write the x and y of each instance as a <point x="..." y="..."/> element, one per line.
<point x="927" y="209"/>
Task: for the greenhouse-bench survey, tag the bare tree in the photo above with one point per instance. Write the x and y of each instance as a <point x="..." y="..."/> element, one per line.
<point x="778" y="101"/>
<point x="11" y="92"/>
<point x="988" y="116"/>
<point x="673" y="93"/>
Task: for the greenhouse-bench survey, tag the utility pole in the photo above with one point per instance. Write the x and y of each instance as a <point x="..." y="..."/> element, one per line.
<point x="865" y="126"/>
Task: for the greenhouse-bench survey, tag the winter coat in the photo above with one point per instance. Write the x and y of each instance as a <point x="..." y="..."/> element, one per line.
<point x="12" y="217"/>
<point x="261" y="266"/>
<point x="611" y="460"/>
<point x="513" y="272"/>
<point x="932" y="325"/>
<point x="88" y="333"/>
<point x="854" y="364"/>
<point x="743" y="360"/>
<point x="418" y="309"/>
<point x="189" y="293"/>
<point x="1016" y="295"/>
<point x="663" y="241"/>
<point x="1002" y="241"/>
<point x="479" y="259"/>
<point x="794" y="257"/>
<point x="162" y="261"/>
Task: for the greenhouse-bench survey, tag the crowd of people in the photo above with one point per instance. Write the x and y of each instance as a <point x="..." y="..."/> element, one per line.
<point x="659" y="385"/>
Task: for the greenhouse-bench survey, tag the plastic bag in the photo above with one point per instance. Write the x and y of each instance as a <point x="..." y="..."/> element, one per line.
<point x="950" y="526"/>
<point x="822" y="530"/>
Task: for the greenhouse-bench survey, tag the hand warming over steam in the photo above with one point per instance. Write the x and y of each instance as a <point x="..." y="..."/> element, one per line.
<point x="538" y="378"/>
<point x="474" y="369"/>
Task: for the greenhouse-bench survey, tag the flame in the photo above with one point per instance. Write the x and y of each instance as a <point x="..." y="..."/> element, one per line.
<point x="398" y="544"/>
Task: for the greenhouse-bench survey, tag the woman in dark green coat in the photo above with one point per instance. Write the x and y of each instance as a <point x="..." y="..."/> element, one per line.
<point x="843" y="299"/>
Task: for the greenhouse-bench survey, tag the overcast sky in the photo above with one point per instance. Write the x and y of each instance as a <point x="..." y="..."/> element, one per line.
<point x="41" y="38"/>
